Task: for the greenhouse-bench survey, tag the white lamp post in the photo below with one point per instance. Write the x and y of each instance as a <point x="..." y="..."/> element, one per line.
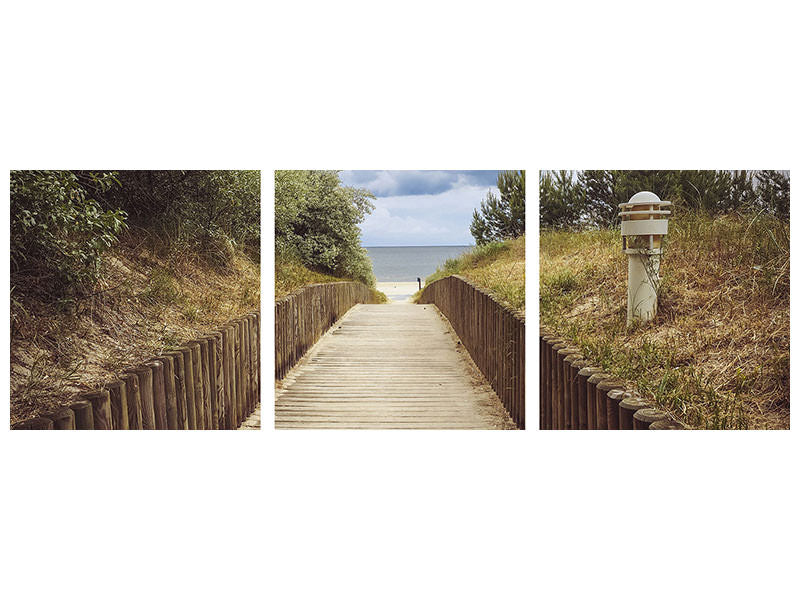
<point x="644" y="224"/>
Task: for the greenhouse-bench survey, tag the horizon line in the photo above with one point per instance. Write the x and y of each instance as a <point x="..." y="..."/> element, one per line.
<point x="417" y="245"/>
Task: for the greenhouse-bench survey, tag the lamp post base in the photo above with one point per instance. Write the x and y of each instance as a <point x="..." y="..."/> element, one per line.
<point x="642" y="285"/>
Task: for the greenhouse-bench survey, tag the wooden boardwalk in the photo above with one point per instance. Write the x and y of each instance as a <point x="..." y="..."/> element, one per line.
<point x="388" y="366"/>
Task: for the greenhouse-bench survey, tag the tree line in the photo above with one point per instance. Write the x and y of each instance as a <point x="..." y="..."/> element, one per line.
<point x="62" y="222"/>
<point x="590" y="198"/>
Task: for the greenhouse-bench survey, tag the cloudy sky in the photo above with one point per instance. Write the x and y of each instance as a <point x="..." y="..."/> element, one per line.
<point x="421" y="208"/>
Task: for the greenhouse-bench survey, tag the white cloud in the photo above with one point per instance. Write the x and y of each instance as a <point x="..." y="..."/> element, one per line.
<point x="424" y="219"/>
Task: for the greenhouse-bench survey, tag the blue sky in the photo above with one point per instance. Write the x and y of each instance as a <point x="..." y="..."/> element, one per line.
<point x="421" y="208"/>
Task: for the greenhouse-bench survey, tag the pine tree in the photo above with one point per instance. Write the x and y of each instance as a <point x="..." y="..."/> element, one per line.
<point x="773" y="192"/>
<point x="601" y="202"/>
<point x="561" y="200"/>
<point x="504" y="217"/>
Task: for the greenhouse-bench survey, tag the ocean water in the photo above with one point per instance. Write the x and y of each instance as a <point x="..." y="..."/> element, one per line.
<point x="406" y="263"/>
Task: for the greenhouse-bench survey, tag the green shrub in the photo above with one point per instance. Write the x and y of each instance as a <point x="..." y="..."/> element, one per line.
<point x="316" y="220"/>
<point x="58" y="231"/>
<point x="207" y="212"/>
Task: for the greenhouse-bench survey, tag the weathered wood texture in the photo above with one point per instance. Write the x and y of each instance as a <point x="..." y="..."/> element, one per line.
<point x="303" y="317"/>
<point x="573" y="394"/>
<point x="493" y="335"/>
<point x="213" y="382"/>
<point x="101" y="409"/>
<point x="388" y="366"/>
<point x="119" y="404"/>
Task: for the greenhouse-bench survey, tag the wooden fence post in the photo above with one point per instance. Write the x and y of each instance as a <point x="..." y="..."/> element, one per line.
<point x="591" y="400"/>
<point x="555" y="376"/>
<point x="237" y="373"/>
<point x="544" y="404"/>
<point x="627" y="408"/>
<point x="101" y="409"/>
<point x="134" y="399"/>
<point x="644" y="417"/>
<point x="606" y="417"/>
<point x="584" y="410"/>
<point x="197" y="382"/>
<point x="248" y="396"/>
<point x="62" y="418"/>
<point x="575" y="365"/>
<point x="117" y="391"/>
<point x="179" y="375"/>
<point x="170" y="390"/>
<point x="205" y="374"/>
<point x="230" y="384"/>
<point x="83" y="414"/>
<point x="614" y="397"/>
<point x="240" y="370"/>
<point x="254" y="358"/>
<point x="565" y="411"/>
<point x="159" y="395"/>
<point x="215" y="381"/>
<point x="188" y="384"/>
<point x="145" y="375"/>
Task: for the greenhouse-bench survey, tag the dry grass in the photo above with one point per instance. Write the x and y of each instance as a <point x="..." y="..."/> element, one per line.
<point x="717" y="354"/>
<point x="498" y="267"/>
<point x="146" y="301"/>
<point x="291" y="275"/>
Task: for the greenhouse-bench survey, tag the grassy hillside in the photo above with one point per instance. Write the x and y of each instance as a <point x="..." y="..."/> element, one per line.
<point x="291" y="275"/>
<point x="717" y="354"/>
<point x="498" y="267"/>
<point x="145" y="301"/>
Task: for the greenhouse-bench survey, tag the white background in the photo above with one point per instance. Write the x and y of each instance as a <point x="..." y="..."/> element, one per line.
<point x="369" y="85"/>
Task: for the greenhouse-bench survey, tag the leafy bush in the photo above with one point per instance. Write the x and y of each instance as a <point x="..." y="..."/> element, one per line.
<point x="59" y="231"/>
<point x="316" y="221"/>
<point x="208" y="211"/>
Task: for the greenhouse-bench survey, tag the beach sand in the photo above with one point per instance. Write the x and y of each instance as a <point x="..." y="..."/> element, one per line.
<point x="398" y="291"/>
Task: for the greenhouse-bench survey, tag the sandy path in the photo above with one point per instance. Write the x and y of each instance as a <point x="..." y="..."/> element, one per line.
<point x="398" y="291"/>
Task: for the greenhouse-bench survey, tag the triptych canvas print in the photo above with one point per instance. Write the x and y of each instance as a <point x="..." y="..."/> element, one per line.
<point x="400" y="300"/>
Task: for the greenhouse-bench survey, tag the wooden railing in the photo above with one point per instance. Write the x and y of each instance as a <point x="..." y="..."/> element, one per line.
<point x="576" y="394"/>
<point x="303" y="316"/>
<point x="493" y="335"/>
<point x="212" y="382"/>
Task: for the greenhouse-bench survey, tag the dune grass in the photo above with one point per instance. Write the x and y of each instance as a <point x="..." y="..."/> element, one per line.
<point x="148" y="299"/>
<point x="291" y="275"/>
<point x="717" y="354"/>
<point x="498" y="267"/>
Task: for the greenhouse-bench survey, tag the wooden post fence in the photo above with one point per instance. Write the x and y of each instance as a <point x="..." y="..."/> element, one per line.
<point x="574" y="394"/>
<point x="301" y="318"/>
<point x="212" y="382"/>
<point x="493" y="335"/>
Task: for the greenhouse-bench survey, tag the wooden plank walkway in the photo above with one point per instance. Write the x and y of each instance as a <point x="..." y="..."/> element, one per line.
<point x="388" y="366"/>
